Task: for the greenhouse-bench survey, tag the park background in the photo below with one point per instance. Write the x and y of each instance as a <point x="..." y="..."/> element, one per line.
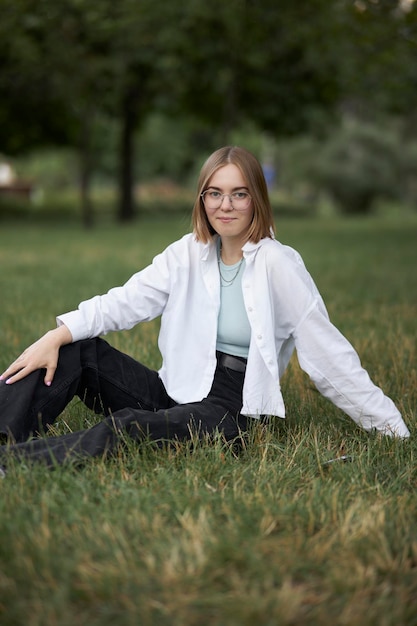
<point x="107" y="111"/>
<point x="122" y="101"/>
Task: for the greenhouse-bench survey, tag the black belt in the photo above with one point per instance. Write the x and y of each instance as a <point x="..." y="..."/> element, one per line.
<point x="236" y="363"/>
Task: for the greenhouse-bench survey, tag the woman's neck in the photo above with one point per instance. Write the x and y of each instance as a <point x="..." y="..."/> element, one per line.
<point x="230" y="251"/>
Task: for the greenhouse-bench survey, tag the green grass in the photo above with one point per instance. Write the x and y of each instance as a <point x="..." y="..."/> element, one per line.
<point x="210" y="536"/>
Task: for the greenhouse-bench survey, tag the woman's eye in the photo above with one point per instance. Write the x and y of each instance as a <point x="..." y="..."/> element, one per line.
<point x="240" y="195"/>
<point x="214" y="194"/>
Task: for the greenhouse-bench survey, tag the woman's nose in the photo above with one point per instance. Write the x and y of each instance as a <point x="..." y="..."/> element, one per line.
<point x="226" y="206"/>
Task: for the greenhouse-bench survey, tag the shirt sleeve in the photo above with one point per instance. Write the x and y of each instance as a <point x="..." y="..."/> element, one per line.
<point x="334" y="367"/>
<point x="142" y="298"/>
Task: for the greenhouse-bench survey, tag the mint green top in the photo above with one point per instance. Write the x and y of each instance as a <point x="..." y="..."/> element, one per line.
<point x="233" y="329"/>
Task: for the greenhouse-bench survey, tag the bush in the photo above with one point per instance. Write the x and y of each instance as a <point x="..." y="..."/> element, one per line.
<point x="356" y="165"/>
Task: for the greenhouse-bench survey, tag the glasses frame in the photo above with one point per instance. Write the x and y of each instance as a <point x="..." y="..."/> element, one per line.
<point x="222" y="197"/>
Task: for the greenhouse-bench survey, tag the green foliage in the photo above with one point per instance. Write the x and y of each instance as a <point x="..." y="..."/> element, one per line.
<point x="51" y="169"/>
<point x="174" y="148"/>
<point x="378" y="55"/>
<point x="210" y="534"/>
<point x="357" y="165"/>
<point x="166" y="149"/>
<point x="89" y="75"/>
<point x="283" y="66"/>
<point x="259" y="62"/>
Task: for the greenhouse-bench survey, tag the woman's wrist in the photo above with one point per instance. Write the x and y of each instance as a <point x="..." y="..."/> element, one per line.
<point x="61" y="335"/>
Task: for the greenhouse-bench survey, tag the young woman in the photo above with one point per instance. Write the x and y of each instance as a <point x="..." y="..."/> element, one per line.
<point x="234" y="304"/>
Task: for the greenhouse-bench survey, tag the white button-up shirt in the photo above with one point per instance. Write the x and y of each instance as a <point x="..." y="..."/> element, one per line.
<point x="285" y="311"/>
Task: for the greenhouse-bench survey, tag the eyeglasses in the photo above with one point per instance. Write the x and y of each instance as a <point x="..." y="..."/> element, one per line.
<point x="212" y="199"/>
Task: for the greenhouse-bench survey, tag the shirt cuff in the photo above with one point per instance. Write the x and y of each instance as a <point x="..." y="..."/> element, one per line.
<point x="75" y="324"/>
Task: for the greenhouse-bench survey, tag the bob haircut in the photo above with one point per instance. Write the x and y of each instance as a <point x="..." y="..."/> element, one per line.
<point x="262" y="222"/>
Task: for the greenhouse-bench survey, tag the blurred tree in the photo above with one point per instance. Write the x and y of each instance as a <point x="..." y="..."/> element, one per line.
<point x="380" y="46"/>
<point x="55" y="79"/>
<point x="379" y="103"/>
<point x="69" y="62"/>
<point x="31" y="112"/>
<point x="136" y="50"/>
<point x="358" y="165"/>
<point x="263" y="61"/>
<point x="68" y="65"/>
<point x="293" y="66"/>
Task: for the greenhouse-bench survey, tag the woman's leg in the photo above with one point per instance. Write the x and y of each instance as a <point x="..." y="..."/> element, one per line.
<point x="219" y="412"/>
<point x="104" y="378"/>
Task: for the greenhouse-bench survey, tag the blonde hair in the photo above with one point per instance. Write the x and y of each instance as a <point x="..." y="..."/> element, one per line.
<point x="262" y="222"/>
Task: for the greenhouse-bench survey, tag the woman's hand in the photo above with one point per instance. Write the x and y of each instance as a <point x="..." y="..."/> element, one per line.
<point x="43" y="354"/>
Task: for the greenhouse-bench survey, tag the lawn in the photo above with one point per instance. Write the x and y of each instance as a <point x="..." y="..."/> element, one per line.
<point x="269" y="535"/>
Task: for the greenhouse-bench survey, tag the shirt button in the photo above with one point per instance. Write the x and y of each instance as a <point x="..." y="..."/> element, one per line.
<point x="259" y="336"/>
<point x="250" y="309"/>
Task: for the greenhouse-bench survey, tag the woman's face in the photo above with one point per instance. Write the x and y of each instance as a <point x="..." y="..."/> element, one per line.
<point x="229" y="222"/>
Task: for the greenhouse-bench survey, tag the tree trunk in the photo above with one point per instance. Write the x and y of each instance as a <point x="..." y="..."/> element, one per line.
<point x="86" y="173"/>
<point x="126" y="210"/>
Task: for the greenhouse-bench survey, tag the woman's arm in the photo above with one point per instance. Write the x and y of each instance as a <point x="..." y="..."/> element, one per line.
<point x="334" y="366"/>
<point x="41" y="354"/>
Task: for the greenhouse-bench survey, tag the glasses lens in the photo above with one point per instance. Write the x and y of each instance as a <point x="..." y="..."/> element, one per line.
<point x="240" y="200"/>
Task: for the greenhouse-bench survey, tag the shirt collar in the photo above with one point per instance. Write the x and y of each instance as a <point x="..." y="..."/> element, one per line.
<point x="206" y="248"/>
<point x="252" y="247"/>
<point x="248" y="248"/>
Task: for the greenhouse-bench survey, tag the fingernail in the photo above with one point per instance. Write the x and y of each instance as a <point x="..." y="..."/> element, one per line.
<point x="48" y="384"/>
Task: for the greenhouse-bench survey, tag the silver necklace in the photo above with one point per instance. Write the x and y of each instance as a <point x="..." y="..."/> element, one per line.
<point x="226" y="282"/>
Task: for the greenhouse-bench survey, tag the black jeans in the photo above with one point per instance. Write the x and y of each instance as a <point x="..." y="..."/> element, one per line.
<point x="132" y="398"/>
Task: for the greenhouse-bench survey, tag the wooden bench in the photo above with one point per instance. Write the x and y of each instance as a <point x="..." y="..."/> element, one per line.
<point x="21" y="189"/>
